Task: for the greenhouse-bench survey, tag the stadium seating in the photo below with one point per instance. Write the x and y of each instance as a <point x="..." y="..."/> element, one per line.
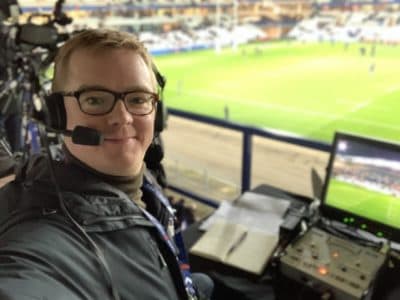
<point x="354" y="27"/>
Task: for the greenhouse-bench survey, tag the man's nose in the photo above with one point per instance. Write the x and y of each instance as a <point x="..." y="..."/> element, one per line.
<point x="120" y="113"/>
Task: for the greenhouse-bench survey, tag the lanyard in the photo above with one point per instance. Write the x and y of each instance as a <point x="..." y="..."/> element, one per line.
<point x="183" y="265"/>
<point x="159" y="195"/>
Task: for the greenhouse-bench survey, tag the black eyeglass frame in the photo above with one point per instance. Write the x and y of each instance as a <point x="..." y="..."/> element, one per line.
<point x="117" y="96"/>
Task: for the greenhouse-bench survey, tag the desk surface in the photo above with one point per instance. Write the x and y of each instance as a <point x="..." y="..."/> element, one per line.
<point x="231" y="283"/>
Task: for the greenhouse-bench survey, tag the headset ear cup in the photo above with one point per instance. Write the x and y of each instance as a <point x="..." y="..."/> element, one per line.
<point x="56" y="115"/>
<point x="161" y="118"/>
<point x="160" y="121"/>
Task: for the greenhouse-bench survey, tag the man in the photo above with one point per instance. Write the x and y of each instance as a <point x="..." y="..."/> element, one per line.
<point x="76" y="228"/>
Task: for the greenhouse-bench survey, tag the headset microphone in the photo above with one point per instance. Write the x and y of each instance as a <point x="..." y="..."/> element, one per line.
<point x="84" y="136"/>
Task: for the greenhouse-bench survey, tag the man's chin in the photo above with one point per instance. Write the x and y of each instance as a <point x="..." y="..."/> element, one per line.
<point x="122" y="165"/>
<point x="112" y="160"/>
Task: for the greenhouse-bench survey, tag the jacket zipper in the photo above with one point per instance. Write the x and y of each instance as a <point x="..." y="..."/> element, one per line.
<point x="157" y="252"/>
<point x="162" y="259"/>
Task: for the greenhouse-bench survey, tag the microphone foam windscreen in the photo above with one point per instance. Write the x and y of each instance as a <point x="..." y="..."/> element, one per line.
<point x="86" y="136"/>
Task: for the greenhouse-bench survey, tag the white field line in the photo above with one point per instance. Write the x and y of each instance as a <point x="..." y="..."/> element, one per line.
<point x="368" y="102"/>
<point x="278" y="107"/>
<point x="360" y="106"/>
<point x="392" y="89"/>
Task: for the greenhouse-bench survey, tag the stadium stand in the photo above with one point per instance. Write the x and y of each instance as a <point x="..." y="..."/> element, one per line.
<point x="351" y="27"/>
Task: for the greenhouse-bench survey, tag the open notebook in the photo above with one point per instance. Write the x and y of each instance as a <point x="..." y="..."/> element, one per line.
<point x="236" y="245"/>
<point x="243" y="234"/>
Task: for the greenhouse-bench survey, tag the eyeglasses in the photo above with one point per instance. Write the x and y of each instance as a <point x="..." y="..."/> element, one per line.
<point x="97" y="102"/>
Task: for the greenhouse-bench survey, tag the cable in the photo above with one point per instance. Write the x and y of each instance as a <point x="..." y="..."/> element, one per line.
<point x="348" y="233"/>
<point x="92" y="244"/>
<point x="6" y="147"/>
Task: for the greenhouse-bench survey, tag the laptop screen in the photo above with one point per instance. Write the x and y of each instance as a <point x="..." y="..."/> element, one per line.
<point x="362" y="185"/>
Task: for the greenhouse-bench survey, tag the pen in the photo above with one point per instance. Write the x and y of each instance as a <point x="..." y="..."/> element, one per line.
<point x="237" y="243"/>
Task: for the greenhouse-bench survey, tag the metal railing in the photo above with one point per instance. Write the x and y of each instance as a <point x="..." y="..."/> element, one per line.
<point x="247" y="148"/>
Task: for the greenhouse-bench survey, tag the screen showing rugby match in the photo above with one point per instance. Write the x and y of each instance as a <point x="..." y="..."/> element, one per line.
<point x="364" y="180"/>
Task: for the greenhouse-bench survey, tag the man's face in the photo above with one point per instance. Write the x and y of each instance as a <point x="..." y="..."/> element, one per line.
<point x="126" y="137"/>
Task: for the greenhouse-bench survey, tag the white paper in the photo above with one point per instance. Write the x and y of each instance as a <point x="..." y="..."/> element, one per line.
<point x="264" y="221"/>
<point x="264" y="203"/>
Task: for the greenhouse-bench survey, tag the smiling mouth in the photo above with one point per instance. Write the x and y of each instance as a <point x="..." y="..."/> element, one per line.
<point x="119" y="140"/>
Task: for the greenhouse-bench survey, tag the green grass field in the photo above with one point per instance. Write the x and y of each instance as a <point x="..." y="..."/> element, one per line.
<point x="375" y="206"/>
<point x="308" y="89"/>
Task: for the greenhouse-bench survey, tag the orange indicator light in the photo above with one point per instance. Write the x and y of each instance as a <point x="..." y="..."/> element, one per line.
<point x="322" y="270"/>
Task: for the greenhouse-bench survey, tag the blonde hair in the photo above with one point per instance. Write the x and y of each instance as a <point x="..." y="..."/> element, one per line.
<point x="96" y="39"/>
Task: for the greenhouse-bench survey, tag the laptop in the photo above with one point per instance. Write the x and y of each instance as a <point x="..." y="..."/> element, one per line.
<point x="362" y="191"/>
<point x="362" y="185"/>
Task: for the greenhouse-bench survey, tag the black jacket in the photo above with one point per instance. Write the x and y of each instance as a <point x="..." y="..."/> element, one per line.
<point x="44" y="256"/>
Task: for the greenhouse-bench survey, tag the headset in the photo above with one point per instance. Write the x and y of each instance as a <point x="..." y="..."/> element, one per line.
<point x="56" y="117"/>
<point x="160" y="121"/>
<point x="56" y="120"/>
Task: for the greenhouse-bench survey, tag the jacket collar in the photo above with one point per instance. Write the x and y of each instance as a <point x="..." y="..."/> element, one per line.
<point x="86" y="197"/>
